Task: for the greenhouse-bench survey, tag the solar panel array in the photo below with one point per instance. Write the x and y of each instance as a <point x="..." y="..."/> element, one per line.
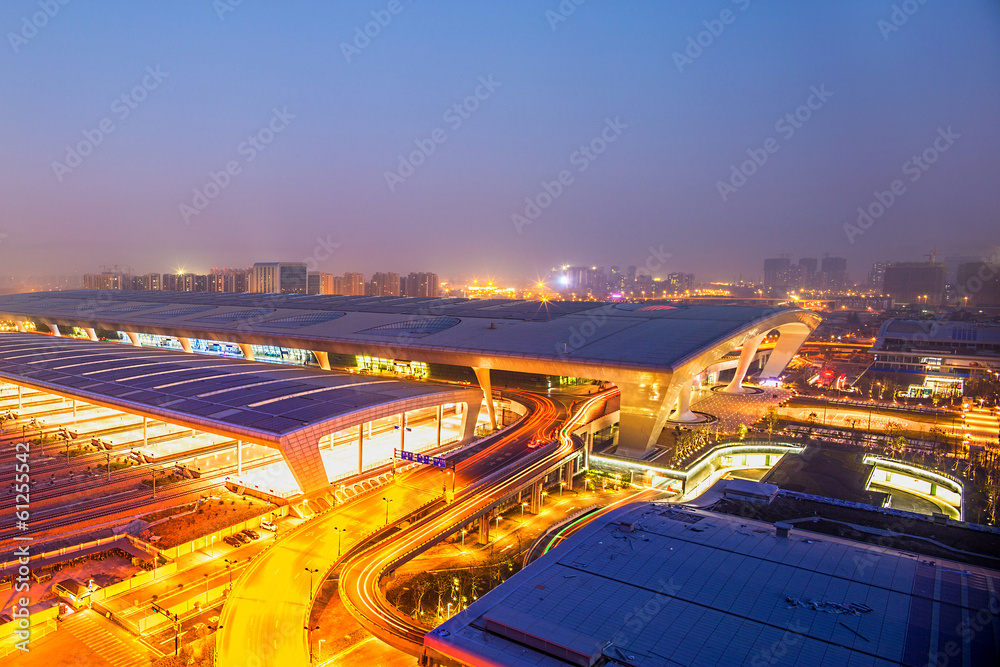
<point x="272" y="398"/>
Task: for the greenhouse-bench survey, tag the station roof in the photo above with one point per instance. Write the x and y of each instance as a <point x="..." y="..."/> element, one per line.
<point x="637" y="335"/>
<point x="690" y="587"/>
<point x="232" y="395"/>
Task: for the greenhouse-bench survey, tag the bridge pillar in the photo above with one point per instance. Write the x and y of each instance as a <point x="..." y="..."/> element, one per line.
<point x="91" y="334"/>
<point x="568" y="475"/>
<point x="402" y="431"/>
<point x="684" y="413"/>
<point x="535" y="501"/>
<point x="440" y="416"/>
<point x="134" y="338"/>
<point x="469" y="418"/>
<point x="361" y="446"/>
<point x="484" y="529"/>
<point x="239" y="458"/>
<point x="323" y="358"/>
<point x="483" y="377"/>
<point x="21" y="327"/>
<point x="247" y="351"/>
<point x="790" y="339"/>
<point x="746" y="358"/>
<point x="55" y="330"/>
<point x="185" y="344"/>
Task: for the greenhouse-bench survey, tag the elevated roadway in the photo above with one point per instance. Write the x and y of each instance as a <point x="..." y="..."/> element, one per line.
<point x="265" y="617"/>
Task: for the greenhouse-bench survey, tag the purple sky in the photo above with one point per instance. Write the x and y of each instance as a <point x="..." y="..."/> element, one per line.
<point x="552" y="87"/>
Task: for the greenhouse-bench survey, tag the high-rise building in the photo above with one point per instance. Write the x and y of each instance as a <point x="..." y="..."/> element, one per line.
<point x="279" y="277"/>
<point x="385" y="284"/>
<point x="354" y="284"/>
<point x="978" y="284"/>
<point x="313" y="283"/>
<point x="915" y="282"/>
<point x="876" y="277"/>
<point x="776" y="272"/>
<point x="422" y="284"/>
<point x="326" y="283"/>
<point x="807" y="270"/>
<point x="184" y="282"/>
<point x="106" y="280"/>
<point x="227" y="280"/>
<point x="834" y="271"/>
<point x="679" y="282"/>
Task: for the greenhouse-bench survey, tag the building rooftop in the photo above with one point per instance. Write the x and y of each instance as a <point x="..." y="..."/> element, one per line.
<point x="232" y="396"/>
<point x="660" y="584"/>
<point x="641" y="336"/>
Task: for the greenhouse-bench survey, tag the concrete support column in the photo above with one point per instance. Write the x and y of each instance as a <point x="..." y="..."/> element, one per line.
<point x="746" y="358"/>
<point x="483" y="377"/>
<point x="21" y="327"/>
<point x="469" y="418"/>
<point x="361" y="445"/>
<point x="18" y="397"/>
<point x="484" y="529"/>
<point x="239" y="458"/>
<point x="790" y="339"/>
<point x="568" y="475"/>
<point x="440" y="414"/>
<point x="74" y="410"/>
<point x="402" y="431"/>
<point x="134" y="337"/>
<point x="247" y="351"/>
<point x="323" y="358"/>
<point x="588" y="447"/>
<point x="91" y="334"/>
<point x="535" y="501"/>
<point x="55" y="330"/>
<point x="185" y="344"/>
<point x="145" y="439"/>
<point x="683" y="413"/>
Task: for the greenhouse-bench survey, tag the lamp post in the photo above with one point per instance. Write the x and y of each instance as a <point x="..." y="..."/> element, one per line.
<point x="311" y="572"/>
<point x="463" y="537"/>
<point x="387" y="501"/>
<point x="340" y="531"/>
<point x="229" y="567"/>
<point x="309" y="630"/>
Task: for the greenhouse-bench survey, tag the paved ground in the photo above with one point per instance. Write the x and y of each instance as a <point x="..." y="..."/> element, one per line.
<point x="84" y="639"/>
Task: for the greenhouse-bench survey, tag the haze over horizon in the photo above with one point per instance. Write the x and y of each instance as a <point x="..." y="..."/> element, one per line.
<point x="168" y="96"/>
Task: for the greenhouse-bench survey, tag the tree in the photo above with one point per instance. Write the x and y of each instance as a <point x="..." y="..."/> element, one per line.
<point x="741" y="430"/>
<point x="898" y="445"/>
<point x="771" y="419"/>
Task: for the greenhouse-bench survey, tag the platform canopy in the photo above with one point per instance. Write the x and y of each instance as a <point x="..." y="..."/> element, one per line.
<point x="289" y="407"/>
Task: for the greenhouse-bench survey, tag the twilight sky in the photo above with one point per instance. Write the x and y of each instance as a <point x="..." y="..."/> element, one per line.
<point x="617" y="99"/>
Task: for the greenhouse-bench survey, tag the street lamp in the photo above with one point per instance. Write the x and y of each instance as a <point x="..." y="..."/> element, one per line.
<point x="309" y="630"/>
<point x="340" y="531"/>
<point x="229" y="567"/>
<point x="522" y="509"/>
<point x="311" y="572"/>
<point x="464" y="531"/>
<point x="387" y="501"/>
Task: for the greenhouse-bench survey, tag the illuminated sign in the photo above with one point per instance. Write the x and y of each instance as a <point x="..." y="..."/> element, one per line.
<point x="421" y="458"/>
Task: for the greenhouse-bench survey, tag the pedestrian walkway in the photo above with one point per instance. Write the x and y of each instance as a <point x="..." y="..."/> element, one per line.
<point x="87" y="626"/>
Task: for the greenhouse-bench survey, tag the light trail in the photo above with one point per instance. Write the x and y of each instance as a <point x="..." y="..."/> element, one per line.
<point x="360" y="579"/>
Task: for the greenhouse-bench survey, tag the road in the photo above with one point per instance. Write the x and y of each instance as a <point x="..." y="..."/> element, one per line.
<point x="360" y="578"/>
<point x="264" y="619"/>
